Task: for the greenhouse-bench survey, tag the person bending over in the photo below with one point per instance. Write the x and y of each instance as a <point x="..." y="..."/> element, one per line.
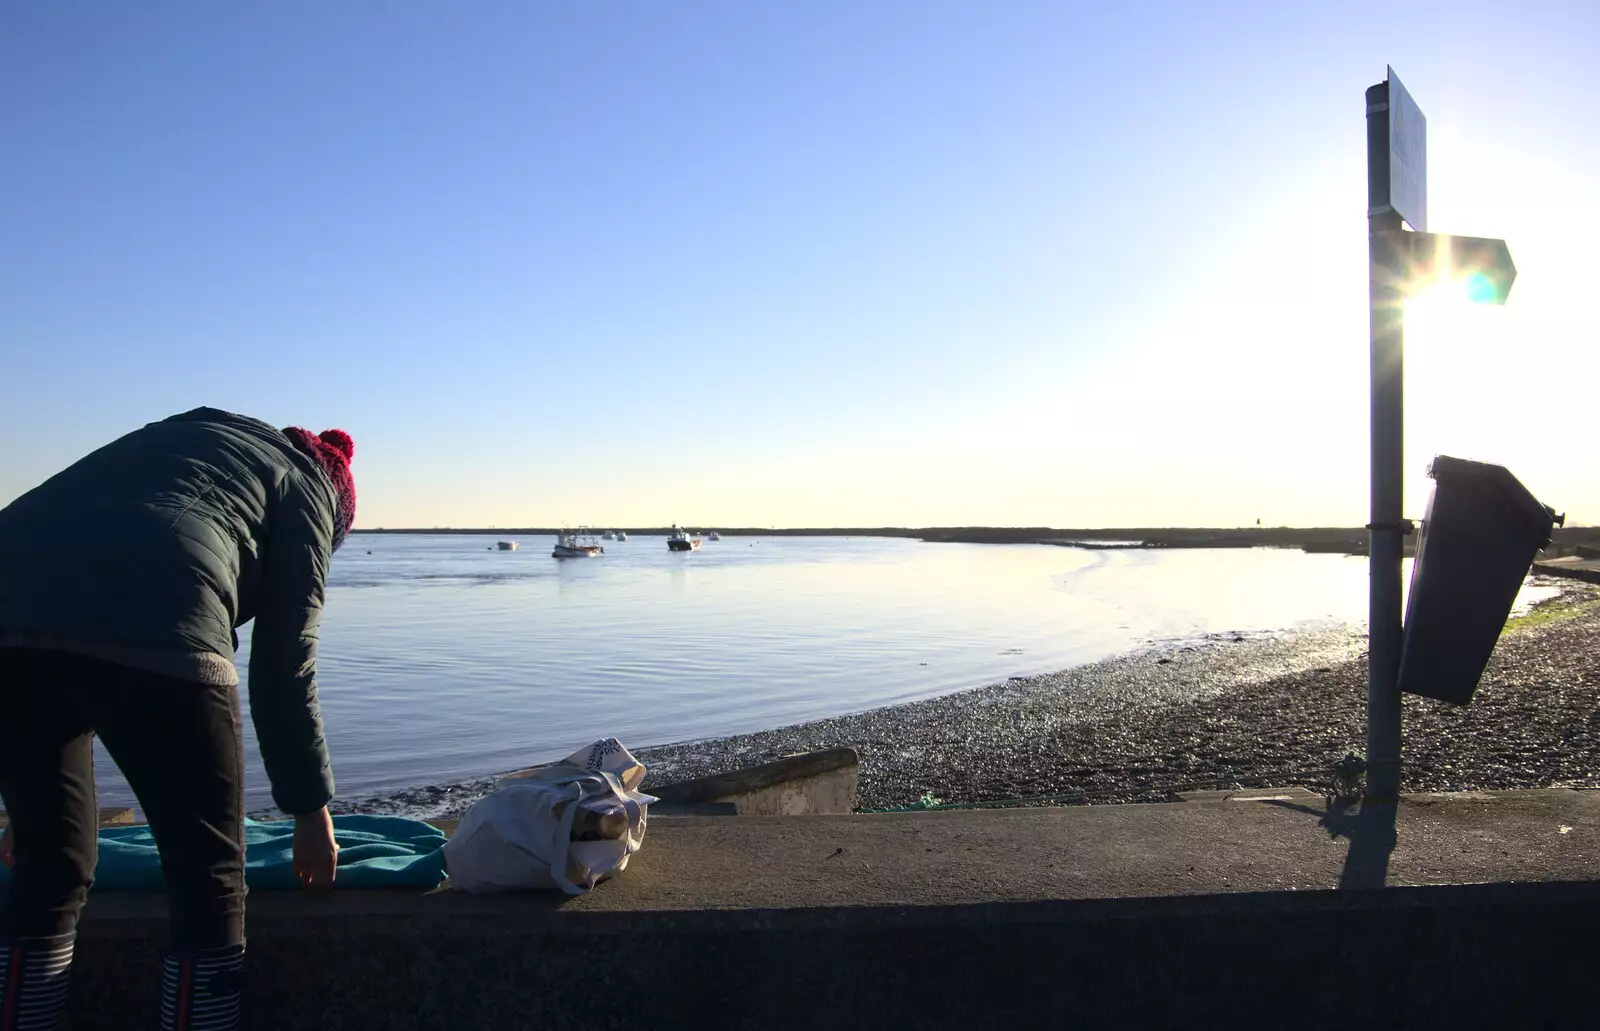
<point x="123" y="580"/>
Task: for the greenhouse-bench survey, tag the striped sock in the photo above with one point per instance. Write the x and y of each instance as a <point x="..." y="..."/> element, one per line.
<point x="200" y="990"/>
<point x="33" y="982"/>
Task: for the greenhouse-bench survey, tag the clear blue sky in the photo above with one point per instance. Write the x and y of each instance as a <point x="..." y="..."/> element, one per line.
<point x="791" y="263"/>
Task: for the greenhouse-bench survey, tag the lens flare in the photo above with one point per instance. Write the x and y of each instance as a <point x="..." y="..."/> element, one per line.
<point x="1479" y="288"/>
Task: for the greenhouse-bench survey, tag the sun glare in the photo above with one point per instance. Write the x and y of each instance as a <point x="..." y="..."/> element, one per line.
<point x="1449" y="313"/>
<point x="1436" y="299"/>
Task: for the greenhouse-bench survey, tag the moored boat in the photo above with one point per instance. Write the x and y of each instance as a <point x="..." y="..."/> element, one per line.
<point x="680" y="540"/>
<point x="506" y="545"/>
<point x="576" y="545"/>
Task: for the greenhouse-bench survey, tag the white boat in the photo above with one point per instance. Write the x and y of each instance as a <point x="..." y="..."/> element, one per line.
<point x="713" y="536"/>
<point x="506" y="545"/>
<point x="679" y="540"/>
<point x="609" y="535"/>
<point x="622" y="535"/>
<point x="576" y="545"/>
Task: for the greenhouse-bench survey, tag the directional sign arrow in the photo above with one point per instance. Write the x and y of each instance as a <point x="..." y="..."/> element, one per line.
<point x="1480" y="264"/>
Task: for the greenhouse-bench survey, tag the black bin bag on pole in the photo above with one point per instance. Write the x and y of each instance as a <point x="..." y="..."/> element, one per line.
<point x="1479" y="537"/>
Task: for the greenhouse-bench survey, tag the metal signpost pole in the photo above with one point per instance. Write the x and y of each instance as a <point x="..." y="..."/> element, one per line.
<point x="1399" y="262"/>
<point x="1387" y="531"/>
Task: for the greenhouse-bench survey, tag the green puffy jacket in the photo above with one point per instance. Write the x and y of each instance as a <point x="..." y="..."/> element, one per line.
<point x="169" y="539"/>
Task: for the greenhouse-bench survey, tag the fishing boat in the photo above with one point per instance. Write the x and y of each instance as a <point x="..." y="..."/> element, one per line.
<point x="622" y="535"/>
<point x="502" y="545"/>
<point x="713" y="536"/>
<point x="576" y="545"/>
<point x="609" y="535"/>
<point x="679" y="540"/>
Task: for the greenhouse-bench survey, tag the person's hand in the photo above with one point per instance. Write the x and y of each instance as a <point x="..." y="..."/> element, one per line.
<point x="316" y="855"/>
<point x="5" y="848"/>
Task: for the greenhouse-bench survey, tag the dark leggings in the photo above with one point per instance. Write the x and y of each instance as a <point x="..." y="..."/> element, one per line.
<point x="178" y="744"/>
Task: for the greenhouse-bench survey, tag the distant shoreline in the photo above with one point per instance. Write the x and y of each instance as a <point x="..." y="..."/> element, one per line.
<point x="1348" y="540"/>
<point x="1129" y="536"/>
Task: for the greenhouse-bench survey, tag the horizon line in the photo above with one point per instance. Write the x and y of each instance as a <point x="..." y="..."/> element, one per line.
<point x="968" y="534"/>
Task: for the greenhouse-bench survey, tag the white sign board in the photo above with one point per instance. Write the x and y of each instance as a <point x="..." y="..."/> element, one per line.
<point x="1408" y="156"/>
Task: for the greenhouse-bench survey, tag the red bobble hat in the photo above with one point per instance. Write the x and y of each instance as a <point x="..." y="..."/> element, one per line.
<point x="332" y="450"/>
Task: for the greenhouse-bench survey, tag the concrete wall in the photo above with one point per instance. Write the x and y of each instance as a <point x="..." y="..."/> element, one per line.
<point x="1468" y="956"/>
<point x="1572" y="568"/>
<point x="1237" y="909"/>
<point x="806" y="784"/>
<point x="833" y="792"/>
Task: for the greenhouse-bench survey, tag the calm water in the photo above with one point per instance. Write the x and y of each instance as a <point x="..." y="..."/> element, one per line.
<point x="443" y="659"/>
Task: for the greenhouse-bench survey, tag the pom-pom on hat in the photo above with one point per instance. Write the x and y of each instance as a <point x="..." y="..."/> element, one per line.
<point x="332" y="450"/>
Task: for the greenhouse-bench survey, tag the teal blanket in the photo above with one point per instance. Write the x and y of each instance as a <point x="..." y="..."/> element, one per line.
<point x="374" y="852"/>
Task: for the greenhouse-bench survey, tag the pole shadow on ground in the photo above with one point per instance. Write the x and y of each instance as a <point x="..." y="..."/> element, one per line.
<point x="1370" y="829"/>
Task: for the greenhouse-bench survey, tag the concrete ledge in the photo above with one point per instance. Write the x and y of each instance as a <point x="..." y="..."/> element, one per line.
<point x="1265" y="914"/>
<point x="1574" y="568"/>
<point x="1300" y="795"/>
<point x="811" y="783"/>
<point x="113" y="816"/>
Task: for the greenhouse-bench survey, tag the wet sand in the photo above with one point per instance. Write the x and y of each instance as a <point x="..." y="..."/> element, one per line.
<point x="1219" y="711"/>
